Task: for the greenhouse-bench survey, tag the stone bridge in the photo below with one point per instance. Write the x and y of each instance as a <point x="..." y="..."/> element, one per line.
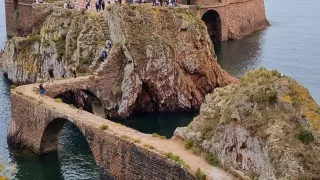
<point x="119" y="151"/>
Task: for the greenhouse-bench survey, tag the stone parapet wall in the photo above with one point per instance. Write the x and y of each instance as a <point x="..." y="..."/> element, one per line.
<point x="119" y="157"/>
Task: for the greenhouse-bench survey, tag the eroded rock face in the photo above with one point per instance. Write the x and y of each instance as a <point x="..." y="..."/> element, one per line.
<point x="267" y="125"/>
<point x="165" y="58"/>
<point x="161" y="60"/>
<point x="67" y="38"/>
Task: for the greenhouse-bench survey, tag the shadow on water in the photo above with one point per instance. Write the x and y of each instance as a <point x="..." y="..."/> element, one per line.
<point x="240" y="56"/>
<point x="73" y="160"/>
<point x="163" y="124"/>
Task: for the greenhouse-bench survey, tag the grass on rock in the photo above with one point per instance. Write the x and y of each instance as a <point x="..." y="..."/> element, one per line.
<point x="104" y="127"/>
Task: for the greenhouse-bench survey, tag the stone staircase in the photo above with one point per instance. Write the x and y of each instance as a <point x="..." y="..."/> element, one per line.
<point x="94" y="68"/>
<point x="104" y="26"/>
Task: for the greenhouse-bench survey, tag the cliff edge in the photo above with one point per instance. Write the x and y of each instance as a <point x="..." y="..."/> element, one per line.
<point x="161" y="60"/>
<point x="267" y="126"/>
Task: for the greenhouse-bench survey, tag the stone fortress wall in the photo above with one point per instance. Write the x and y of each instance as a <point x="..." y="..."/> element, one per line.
<point x="19" y="18"/>
<point x="233" y="19"/>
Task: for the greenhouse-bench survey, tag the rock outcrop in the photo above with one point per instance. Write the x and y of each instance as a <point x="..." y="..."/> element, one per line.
<point x="267" y="126"/>
<point x="66" y="38"/>
<point x="161" y="60"/>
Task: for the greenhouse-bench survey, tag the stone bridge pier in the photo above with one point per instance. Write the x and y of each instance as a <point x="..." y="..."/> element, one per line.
<point x="36" y="124"/>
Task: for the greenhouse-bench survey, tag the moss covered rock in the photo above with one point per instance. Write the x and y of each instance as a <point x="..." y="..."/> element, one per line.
<point x="266" y="125"/>
<point x="66" y="38"/>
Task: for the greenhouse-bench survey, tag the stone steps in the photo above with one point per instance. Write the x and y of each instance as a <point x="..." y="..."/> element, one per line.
<point x="104" y="26"/>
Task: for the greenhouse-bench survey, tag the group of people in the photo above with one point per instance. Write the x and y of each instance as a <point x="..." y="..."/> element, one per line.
<point x="51" y="79"/>
<point x="105" y="51"/>
<point x="170" y="3"/>
<point x="70" y="5"/>
<point x="100" y="5"/>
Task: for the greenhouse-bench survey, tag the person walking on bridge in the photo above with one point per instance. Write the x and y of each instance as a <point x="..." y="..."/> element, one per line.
<point x="74" y="72"/>
<point x="80" y="103"/>
<point x="41" y="91"/>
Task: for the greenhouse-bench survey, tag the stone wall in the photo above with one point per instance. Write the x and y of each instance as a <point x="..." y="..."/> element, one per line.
<point x="19" y="18"/>
<point x="238" y="17"/>
<point x="113" y="154"/>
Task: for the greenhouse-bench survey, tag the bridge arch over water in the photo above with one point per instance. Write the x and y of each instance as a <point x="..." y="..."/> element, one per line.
<point x="36" y="124"/>
<point x="212" y="20"/>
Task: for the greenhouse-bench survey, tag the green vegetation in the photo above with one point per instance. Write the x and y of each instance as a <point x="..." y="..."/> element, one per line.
<point x="46" y="43"/>
<point x="200" y="175"/>
<point x="60" y="43"/>
<point x="211" y="159"/>
<point x="31" y="98"/>
<point x="17" y="12"/>
<point x="188" y="144"/>
<point x="125" y="137"/>
<point x="4" y="171"/>
<point x="58" y="100"/>
<point x="104" y="127"/>
<point x="149" y="146"/>
<point x="34" y="38"/>
<point x="305" y="136"/>
<point x="13" y="87"/>
<point x="254" y="175"/>
<point x="155" y="135"/>
<point x="19" y="92"/>
<point x="137" y="141"/>
<point x="176" y="158"/>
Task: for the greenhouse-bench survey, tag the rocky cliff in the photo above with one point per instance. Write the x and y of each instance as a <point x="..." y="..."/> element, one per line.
<point x="161" y="60"/>
<point x="267" y="126"/>
<point x="64" y="38"/>
<point x="164" y="61"/>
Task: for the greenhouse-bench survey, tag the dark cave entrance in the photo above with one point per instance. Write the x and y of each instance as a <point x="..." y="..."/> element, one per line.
<point x="91" y="102"/>
<point x="213" y="22"/>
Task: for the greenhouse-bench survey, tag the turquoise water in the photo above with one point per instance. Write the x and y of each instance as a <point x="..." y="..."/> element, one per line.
<point x="291" y="44"/>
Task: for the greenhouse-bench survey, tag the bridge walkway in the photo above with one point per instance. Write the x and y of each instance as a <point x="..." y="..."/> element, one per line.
<point x="161" y="146"/>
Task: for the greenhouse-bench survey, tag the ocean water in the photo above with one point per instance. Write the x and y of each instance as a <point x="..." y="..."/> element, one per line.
<point x="291" y="44"/>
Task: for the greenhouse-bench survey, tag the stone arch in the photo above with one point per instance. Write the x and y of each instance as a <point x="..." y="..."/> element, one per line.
<point x="92" y="103"/>
<point x="51" y="134"/>
<point x="50" y="137"/>
<point x="212" y="20"/>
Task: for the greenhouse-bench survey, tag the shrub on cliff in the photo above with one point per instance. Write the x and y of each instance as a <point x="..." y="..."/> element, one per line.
<point x="267" y="124"/>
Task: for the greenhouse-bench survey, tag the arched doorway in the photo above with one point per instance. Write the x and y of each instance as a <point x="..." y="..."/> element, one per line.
<point x="213" y="22"/>
<point x="92" y="103"/>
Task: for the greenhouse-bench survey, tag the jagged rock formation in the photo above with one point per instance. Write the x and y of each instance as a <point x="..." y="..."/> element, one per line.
<point x="66" y="38"/>
<point x="162" y="59"/>
<point x="267" y="126"/>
